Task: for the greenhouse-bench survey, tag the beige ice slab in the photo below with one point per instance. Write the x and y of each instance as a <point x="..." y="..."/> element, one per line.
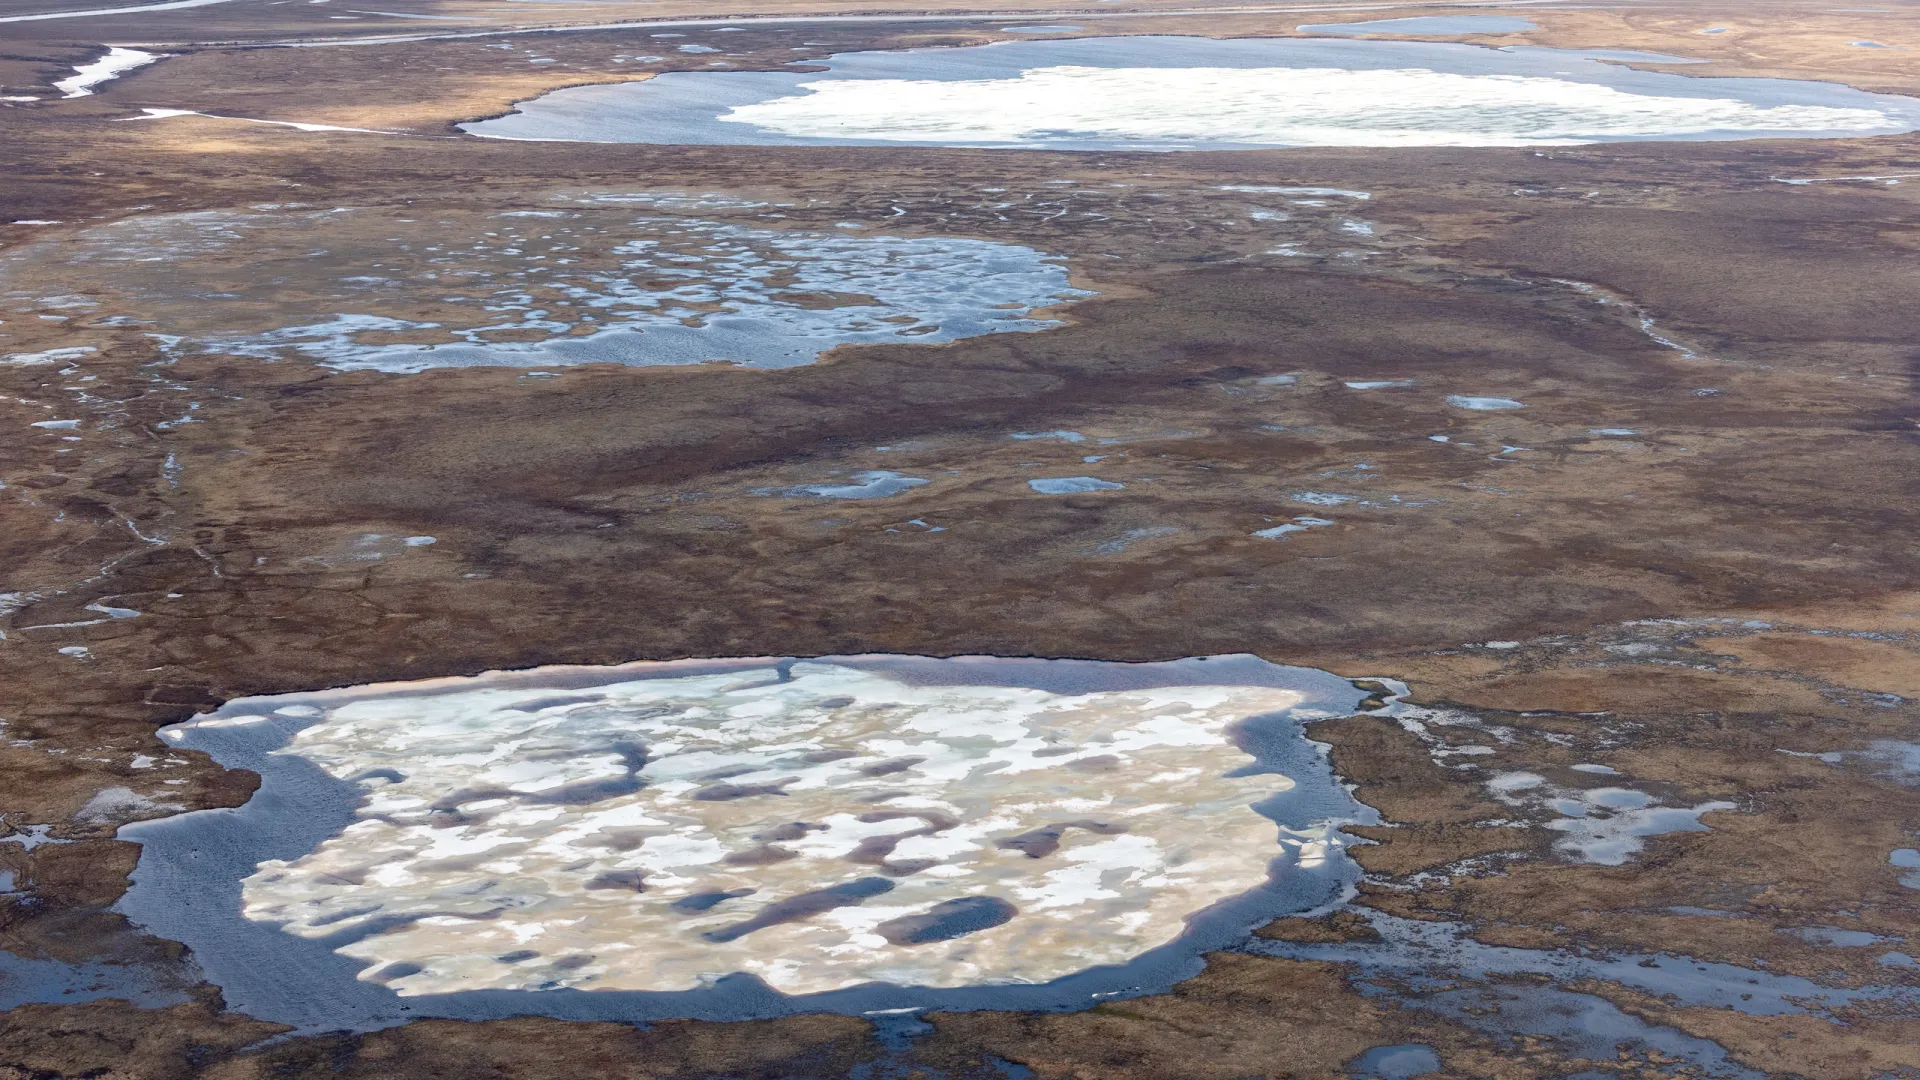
<point x="527" y="837"/>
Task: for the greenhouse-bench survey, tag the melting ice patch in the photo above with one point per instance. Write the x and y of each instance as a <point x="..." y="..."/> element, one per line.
<point x="690" y="291"/>
<point x="116" y="63"/>
<point x="50" y="356"/>
<point x="1604" y="825"/>
<point x="1299" y="524"/>
<point x="873" y="484"/>
<point x="602" y="281"/>
<point x="814" y="824"/>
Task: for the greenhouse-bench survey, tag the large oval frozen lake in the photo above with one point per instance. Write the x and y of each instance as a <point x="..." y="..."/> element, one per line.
<point x="1188" y="93"/>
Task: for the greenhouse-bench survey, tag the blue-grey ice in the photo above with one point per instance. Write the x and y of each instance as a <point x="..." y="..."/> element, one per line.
<point x="1072" y="485"/>
<point x="1483" y="404"/>
<point x="1436" y="25"/>
<point x="1377" y="384"/>
<point x="1188" y="93"/>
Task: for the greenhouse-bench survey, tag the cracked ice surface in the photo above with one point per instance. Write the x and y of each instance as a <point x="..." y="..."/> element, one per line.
<point x="821" y="830"/>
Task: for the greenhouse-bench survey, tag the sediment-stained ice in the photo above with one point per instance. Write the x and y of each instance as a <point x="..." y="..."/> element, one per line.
<point x="816" y="825"/>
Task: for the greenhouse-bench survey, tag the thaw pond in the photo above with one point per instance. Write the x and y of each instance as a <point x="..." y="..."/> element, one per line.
<point x="636" y="278"/>
<point x="1184" y="93"/>
<point x="756" y="837"/>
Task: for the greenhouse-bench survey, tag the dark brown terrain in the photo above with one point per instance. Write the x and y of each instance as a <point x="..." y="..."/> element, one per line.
<point x="1703" y="604"/>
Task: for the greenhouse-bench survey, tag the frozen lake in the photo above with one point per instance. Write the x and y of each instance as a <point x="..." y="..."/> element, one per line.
<point x="1189" y="93"/>
<point x="753" y="837"/>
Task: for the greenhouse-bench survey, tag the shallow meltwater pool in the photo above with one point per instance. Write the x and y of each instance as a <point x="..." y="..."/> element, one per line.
<point x="635" y="278"/>
<point x="752" y="837"/>
<point x="1187" y="93"/>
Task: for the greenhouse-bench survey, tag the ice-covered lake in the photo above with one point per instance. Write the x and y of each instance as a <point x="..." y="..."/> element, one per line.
<point x="1190" y="93"/>
<point x="749" y="837"/>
